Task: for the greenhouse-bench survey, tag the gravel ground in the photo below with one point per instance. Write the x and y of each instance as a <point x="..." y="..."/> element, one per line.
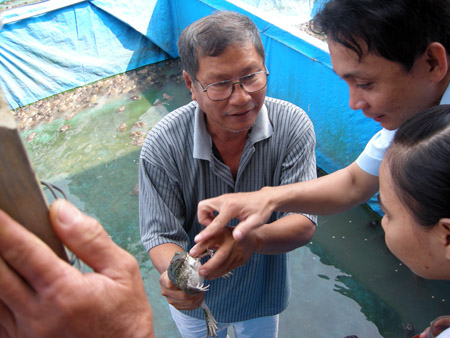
<point x="16" y="3"/>
<point x="69" y="103"/>
<point x="306" y="28"/>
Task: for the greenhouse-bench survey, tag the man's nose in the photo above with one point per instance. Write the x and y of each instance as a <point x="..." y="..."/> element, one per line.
<point x="239" y="93"/>
<point x="357" y="100"/>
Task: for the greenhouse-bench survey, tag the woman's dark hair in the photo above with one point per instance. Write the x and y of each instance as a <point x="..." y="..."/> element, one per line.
<point x="419" y="164"/>
<point x="398" y="30"/>
<point x="212" y="34"/>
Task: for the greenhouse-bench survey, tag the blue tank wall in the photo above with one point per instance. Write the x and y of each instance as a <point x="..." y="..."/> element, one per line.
<point x="80" y="43"/>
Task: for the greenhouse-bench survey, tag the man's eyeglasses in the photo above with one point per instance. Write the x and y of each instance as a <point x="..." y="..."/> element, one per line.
<point x="222" y="90"/>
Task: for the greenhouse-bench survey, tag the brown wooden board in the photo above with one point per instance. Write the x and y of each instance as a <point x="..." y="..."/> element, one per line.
<point x="21" y="195"/>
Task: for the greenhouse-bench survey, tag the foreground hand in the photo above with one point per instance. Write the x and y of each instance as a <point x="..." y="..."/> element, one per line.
<point x="437" y="326"/>
<point x="229" y="255"/>
<point x="252" y="209"/>
<point x="43" y="296"/>
<point x="177" y="297"/>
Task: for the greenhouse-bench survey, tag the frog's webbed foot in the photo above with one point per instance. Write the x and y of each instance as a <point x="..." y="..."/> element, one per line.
<point x="228" y="274"/>
<point x="210" y="252"/>
<point x="199" y="287"/>
<point x="211" y="323"/>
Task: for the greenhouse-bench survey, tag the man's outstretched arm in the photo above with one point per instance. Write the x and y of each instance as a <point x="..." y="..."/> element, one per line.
<point x="330" y="194"/>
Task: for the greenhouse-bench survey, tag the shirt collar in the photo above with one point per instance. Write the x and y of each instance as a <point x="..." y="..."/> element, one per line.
<point x="262" y="129"/>
<point x="446" y="97"/>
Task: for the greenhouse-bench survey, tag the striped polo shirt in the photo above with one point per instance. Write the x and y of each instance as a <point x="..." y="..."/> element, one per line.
<point x="178" y="168"/>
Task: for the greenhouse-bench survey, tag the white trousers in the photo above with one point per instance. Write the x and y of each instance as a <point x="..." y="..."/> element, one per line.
<point x="263" y="327"/>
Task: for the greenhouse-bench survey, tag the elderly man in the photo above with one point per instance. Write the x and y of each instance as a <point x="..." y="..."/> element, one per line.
<point x="230" y="138"/>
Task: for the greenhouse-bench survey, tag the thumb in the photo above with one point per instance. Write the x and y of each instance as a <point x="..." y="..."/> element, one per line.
<point x="244" y="227"/>
<point x="205" y="212"/>
<point x="84" y="236"/>
<point x="424" y="334"/>
<point x="217" y="224"/>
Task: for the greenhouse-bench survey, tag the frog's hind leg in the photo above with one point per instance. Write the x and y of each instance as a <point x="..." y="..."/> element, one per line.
<point x="211" y="323"/>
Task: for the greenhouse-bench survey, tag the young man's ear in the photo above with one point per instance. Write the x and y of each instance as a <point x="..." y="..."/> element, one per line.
<point x="189" y="83"/>
<point x="444" y="228"/>
<point x="436" y="57"/>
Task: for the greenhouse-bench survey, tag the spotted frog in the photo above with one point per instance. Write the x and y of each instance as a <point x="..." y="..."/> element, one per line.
<point x="183" y="272"/>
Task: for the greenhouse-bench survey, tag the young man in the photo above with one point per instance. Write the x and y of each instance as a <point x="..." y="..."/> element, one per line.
<point x="394" y="57"/>
<point x="230" y="138"/>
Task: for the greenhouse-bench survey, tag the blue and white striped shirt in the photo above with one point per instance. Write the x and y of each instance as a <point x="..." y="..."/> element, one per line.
<point x="178" y="169"/>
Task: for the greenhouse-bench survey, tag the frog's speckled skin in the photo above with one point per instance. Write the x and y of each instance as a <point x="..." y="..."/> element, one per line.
<point x="183" y="272"/>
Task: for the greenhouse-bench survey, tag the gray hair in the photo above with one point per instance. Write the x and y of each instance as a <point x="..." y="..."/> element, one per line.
<point x="212" y="34"/>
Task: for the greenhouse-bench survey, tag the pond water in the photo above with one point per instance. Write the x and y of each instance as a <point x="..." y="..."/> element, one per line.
<point x="345" y="282"/>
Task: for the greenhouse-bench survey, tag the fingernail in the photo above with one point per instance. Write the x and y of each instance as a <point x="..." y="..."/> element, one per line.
<point x="67" y="214"/>
<point x="237" y="234"/>
<point x="202" y="272"/>
<point x="198" y="238"/>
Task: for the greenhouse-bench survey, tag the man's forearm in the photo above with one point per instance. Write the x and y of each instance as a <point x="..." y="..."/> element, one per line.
<point x="161" y="255"/>
<point x="285" y="234"/>
<point x="330" y="194"/>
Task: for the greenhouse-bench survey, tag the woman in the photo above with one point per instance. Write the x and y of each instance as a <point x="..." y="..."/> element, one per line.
<point x="415" y="196"/>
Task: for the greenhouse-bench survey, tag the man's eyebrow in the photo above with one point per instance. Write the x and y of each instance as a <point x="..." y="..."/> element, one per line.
<point x="223" y="77"/>
<point x="351" y="75"/>
<point x="348" y="76"/>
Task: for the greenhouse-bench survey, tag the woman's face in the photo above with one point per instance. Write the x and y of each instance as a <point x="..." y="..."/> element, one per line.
<point x="422" y="249"/>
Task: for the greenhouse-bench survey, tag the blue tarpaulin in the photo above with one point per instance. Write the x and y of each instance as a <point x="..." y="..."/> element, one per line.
<point x="71" y="46"/>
